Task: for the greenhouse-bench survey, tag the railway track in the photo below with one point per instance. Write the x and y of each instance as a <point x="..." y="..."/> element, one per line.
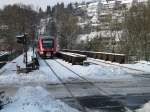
<point x="83" y="78"/>
<point x="93" y="83"/>
<point x="83" y="109"/>
<point x="86" y="81"/>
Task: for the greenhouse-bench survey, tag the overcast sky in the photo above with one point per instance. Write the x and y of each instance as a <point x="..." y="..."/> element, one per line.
<point x="37" y="3"/>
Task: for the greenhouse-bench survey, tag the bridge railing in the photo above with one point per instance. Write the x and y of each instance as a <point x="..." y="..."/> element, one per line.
<point x="113" y="57"/>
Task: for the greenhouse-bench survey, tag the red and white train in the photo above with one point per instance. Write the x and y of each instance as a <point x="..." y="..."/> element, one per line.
<point x="46" y="46"/>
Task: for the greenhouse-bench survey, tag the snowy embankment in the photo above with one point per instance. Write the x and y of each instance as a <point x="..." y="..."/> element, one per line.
<point x="141" y="65"/>
<point x="138" y="68"/>
<point x="98" y="72"/>
<point x="35" y="99"/>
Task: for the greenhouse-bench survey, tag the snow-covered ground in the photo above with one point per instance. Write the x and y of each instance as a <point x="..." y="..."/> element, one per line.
<point x="8" y="73"/>
<point x="35" y="99"/>
<point x="45" y="75"/>
<point x="141" y="65"/>
<point x="98" y="72"/>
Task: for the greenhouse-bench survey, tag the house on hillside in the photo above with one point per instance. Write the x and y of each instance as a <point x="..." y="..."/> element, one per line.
<point x="3" y="27"/>
<point x="140" y="1"/>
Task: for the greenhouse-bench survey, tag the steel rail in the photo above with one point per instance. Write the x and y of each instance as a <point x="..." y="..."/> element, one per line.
<point x="66" y="87"/>
<point x="87" y="81"/>
<point x="90" y="82"/>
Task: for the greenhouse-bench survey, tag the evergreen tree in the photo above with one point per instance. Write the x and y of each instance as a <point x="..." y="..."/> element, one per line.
<point x="48" y="10"/>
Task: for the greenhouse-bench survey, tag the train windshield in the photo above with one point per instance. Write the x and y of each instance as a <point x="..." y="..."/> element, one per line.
<point x="47" y="43"/>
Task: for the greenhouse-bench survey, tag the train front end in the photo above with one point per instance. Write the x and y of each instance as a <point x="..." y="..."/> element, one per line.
<point x="46" y="46"/>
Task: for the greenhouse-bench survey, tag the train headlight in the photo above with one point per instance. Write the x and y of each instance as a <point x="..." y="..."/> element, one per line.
<point x="41" y="52"/>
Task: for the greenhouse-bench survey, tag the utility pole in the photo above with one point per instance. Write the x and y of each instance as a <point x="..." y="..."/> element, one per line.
<point x="22" y="39"/>
<point x="26" y="47"/>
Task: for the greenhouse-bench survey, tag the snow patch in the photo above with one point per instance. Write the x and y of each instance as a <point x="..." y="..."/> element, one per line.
<point x="98" y="72"/>
<point x="141" y="65"/>
<point x="103" y="34"/>
<point x="102" y="72"/>
<point x="8" y="73"/>
<point x="35" y="99"/>
<point x="145" y="108"/>
<point x="10" y="77"/>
